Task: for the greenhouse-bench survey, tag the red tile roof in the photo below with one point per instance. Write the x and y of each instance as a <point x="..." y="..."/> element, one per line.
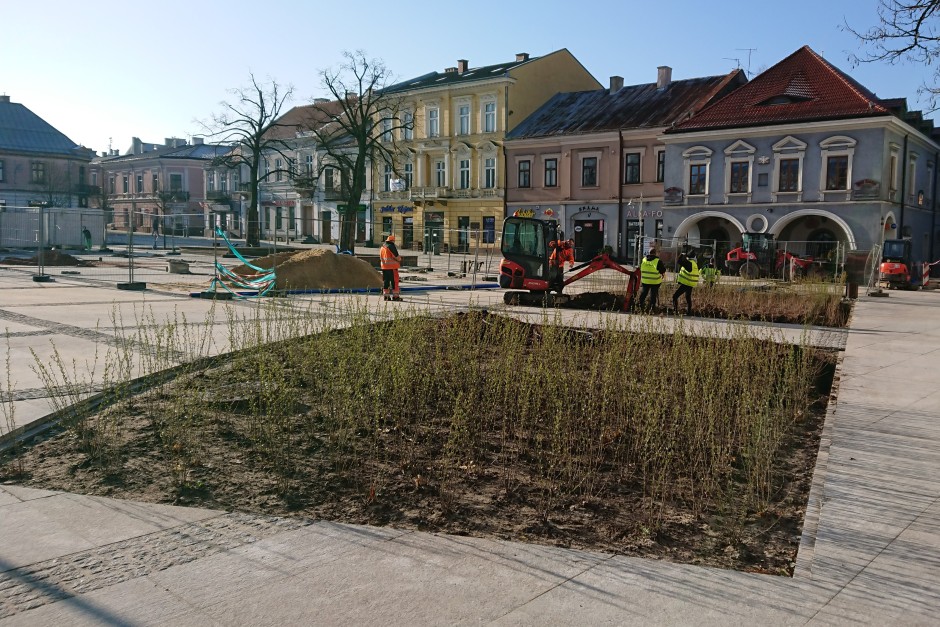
<point x="803" y="87"/>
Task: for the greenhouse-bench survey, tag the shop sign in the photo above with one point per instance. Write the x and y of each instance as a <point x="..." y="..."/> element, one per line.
<point x="646" y="214"/>
<point x="433" y="216"/>
<point x="588" y="208"/>
<point x="393" y="209"/>
<point x="524" y="213"/>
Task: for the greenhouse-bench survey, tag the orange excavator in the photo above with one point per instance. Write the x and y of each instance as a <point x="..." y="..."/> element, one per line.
<point x="896" y="270"/>
<point x="527" y="271"/>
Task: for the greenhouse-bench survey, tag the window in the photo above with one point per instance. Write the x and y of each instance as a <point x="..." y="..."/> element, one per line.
<point x="740" y="177"/>
<point x="81" y="174"/>
<point x="408" y="125"/>
<point x="660" y="166"/>
<point x="176" y="182"/>
<point x="434" y="123"/>
<point x="210" y="181"/>
<point x="589" y="172"/>
<point x="387" y="178"/>
<point x="837" y="172"/>
<point x="837" y="153"/>
<point x="154" y="181"/>
<point x="386" y="130"/>
<point x="111" y="187"/>
<point x="789" y="175"/>
<point x="464" y="174"/>
<point x="631" y="168"/>
<point x="551" y="173"/>
<point x="912" y="176"/>
<point x="409" y="175"/>
<point x="788" y="166"/>
<point x="739" y="163"/>
<point x="463" y="118"/>
<point x="489" y="172"/>
<point x="139" y="184"/>
<point x="1" y="170"/>
<point x="94" y="175"/>
<point x="223" y="182"/>
<point x="38" y="172"/>
<point x="328" y="179"/>
<point x="308" y="165"/>
<point x="489" y="117"/>
<point x="893" y="172"/>
<point x="440" y="171"/>
<point x="698" y="175"/>
<point x="126" y="184"/>
<point x="525" y="168"/>
<point x="277" y="169"/>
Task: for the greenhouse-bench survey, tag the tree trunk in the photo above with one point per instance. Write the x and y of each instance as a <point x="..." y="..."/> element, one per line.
<point x="347" y="232"/>
<point x="253" y="228"/>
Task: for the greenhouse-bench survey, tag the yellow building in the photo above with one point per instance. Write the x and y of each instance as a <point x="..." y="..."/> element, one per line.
<point x="446" y="189"/>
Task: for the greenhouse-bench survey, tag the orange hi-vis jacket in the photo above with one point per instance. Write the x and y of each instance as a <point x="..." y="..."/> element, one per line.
<point x="560" y="254"/>
<point x="388" y="260"/>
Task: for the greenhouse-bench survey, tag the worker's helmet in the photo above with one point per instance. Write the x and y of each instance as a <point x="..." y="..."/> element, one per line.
<point x="552" y="244"/>
<point x="390" y="238"/>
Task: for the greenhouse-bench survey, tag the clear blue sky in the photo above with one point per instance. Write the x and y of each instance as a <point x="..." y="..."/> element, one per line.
<point x="102" y="69"/>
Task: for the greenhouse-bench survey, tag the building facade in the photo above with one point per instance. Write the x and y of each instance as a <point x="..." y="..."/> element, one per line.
<point x="594" y="161"/>
<point x="163" y="186"/>
<point x="40" y="166"/>
<point x="806" y="154"/>
<point x="445" y="191"/>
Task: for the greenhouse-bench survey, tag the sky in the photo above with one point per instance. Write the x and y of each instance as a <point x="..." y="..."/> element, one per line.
<point x="103" y="71"/>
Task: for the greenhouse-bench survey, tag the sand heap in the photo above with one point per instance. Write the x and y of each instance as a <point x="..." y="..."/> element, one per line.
<point x="49" y="258"/>
<point x="316" y="269"/>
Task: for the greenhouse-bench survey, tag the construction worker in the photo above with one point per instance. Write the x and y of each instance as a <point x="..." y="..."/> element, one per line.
<point x="390" y="262"/>
<point x="562" y="252"/>
<point x="710" y="272"/>
<point x="688" y="279"/>
<point x="652" y="273"/>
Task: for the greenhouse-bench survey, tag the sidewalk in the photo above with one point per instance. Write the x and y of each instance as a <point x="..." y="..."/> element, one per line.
<point x="870" y="550"/>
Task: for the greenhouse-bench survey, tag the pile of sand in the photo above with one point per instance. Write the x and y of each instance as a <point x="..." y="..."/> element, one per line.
<point x="49" y="258"/>
<point x="316" y="269"/>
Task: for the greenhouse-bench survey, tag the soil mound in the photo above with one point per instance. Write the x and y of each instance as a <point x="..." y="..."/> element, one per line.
<point x="49" y="258"/>
<point x="316" y="269"/>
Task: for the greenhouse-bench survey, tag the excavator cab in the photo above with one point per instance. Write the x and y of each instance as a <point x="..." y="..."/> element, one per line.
<point x="525" y="249"/>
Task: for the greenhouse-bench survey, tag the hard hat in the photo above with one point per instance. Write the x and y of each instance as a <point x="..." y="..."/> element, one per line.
<point x="390" y="238"/>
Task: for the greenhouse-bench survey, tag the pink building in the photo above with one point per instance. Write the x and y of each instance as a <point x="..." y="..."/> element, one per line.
<point x="593" y="160"/>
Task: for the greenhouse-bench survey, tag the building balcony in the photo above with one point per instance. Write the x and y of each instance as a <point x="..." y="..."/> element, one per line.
<point x="333" y="194"/>
<point x="217" y="195"/>
<point x="82" y="188"/>
<point x="430" y="192"/>
<point x="397" y="195"/>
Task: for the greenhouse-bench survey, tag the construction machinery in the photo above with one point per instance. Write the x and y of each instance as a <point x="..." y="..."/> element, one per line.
<point x="896" y="270"/>
<point x="526" y="269"/>
<point x="757" y="256"/>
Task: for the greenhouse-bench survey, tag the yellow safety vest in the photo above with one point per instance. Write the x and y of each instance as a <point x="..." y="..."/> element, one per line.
<point x="711" y="274"/>
<point x="649" y="272"/>
<point x="687" y="277"/>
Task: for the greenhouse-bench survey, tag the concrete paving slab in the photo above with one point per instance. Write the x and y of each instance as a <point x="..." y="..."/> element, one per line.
<point x="22" y="493"/>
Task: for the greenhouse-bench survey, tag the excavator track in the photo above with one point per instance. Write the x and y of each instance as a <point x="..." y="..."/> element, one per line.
<point x="535" y="299"/>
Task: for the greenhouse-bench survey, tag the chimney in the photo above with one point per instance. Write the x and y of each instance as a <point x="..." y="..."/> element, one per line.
<point x="616" y="84"/>
<point x="663" y="76"/>
<point x="450" y="70"/>
<point x="4" y="98"/>
<point x="462" y="65"/>
<point x="198" y="141"/>
<point x="522" y="56"/>
<point x="320" y="100"/>
<point x="137" y="146"/>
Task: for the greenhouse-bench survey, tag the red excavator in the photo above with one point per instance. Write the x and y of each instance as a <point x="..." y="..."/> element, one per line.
<point x="525" y="269"/>
<point x="758" y="257"/>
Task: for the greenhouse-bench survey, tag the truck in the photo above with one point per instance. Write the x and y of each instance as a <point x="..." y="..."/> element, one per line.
<point x="757" y="256"/>
<point x="530" y="279"/>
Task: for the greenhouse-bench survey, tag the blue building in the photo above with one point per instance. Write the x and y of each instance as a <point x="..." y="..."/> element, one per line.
<point x="805" y="153"/>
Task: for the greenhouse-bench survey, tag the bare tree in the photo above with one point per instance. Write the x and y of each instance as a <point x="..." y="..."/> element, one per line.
<point x="55" y="185"/>
<point x="249" y="126"/>
<point x="355" y="129"/>
<point x="907" y="31"/>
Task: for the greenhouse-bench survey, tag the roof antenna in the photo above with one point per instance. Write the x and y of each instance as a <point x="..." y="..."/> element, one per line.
<point x="749" y="51"/>
<point x="737" y="61"/>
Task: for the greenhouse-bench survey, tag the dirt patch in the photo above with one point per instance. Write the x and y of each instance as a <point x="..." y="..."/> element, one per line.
<point x="387" y="471"/>
<point x="50" y="258"/>
<point x="316" y="269"/>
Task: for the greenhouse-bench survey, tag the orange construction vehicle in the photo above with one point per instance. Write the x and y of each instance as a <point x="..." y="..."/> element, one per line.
<point x="534" y="278"/>
<point x="896" y="270"/>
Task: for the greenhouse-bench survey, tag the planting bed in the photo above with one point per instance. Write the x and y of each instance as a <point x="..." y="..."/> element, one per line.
<point x="691" y="449"/>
